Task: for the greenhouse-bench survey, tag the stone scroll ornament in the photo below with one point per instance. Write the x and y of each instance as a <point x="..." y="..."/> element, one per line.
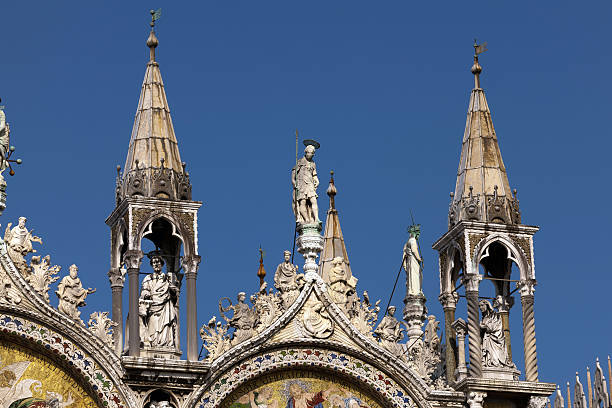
<point x="305" y="182"/>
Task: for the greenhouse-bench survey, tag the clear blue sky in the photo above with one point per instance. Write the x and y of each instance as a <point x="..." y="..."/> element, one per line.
<point x="383" y="86"/>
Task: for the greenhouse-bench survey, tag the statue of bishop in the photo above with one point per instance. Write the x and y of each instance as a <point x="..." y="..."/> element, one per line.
<point x="305" y="183"/>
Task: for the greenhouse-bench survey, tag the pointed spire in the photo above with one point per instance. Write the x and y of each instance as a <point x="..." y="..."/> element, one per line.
<point x="482" y="191"/>
<point x="333" y="244"/>
<point x="153" y="166"/>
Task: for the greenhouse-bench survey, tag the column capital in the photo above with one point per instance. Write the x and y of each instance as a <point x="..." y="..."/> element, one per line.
<point x="448" y="300"/>
<point x="460" y="327"/>
<point x="472" y="281"/>
<point x="476" y="399"/>
<point x="116" y="276"/>
<point x="191" y="264"/>
<point x="526" y="287"/>
<point x="133" y="258"/>
<point x="503" y="303"/>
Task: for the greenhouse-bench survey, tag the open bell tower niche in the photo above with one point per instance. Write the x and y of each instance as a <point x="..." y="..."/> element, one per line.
<point x="153" y="201"/>
<point x="486" y="240"/>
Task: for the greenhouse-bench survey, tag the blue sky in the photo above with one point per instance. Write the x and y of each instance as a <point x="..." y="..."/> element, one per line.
<point x="383" y="86"/>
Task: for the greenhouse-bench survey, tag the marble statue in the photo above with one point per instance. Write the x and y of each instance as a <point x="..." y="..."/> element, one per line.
<point x="341" y="287"/>
<point x="244" y="319"/>
<point x="19" y="243"/>
<point x="158" y="307"/>
<point x="72" y="294"/>
<point x="390" y="332"/>
<point x="287" y="280"/>
<point x="494" y="351"/>
<point x="4" y="142"/>
<point x="305" y="183"/>
<point x="316" y="321"/>
<point x="412" y="263"/>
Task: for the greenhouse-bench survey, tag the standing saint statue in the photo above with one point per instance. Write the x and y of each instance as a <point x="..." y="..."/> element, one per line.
<point x="412" y="262"/>
<point x="72" y="294"/>
<point x="305" y="183"/>
<point x="158" y="304"/>
<point x="287" y="280"/>
<point x="494" y="351"/>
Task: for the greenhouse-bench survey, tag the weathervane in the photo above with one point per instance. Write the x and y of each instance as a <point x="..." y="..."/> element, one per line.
<point x="155" y="15"/>
<point x="476" y="68"/>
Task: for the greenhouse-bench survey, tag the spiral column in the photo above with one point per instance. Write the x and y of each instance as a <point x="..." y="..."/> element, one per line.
<point x="526" y="288"/>
<point x="472" y="282"/>
<point x="449" y="304"/>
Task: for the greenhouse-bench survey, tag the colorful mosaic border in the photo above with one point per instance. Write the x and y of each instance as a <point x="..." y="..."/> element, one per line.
<point x="305" y="358"/>
<point x="57" y="344"/>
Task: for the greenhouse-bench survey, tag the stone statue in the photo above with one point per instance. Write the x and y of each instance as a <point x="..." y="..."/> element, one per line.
<point x="315" y="320"/>
<point x="390" y="332"/>
<point x="494" y="352"/>
<point x="244" y="319"/>
<point x="72" y="294"/>
<point x="19" y="244"/>
<point x="4" y="142"/>
<point x="341" y="286"/>
<point x="158" y="304"/>
<point x="305" y="183"/>
<point x="288" y="281"/>
<point x="412" y="263"/>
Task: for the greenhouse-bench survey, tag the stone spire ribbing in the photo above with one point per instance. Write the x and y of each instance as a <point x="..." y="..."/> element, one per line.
<point x="153" y="167"/>
<point x="333" y="245"/>
<point x="482" y="191"/>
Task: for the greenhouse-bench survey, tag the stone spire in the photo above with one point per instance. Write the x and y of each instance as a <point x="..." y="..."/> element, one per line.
<point x="333" y="244"/>
<point x="482" y="192"/>
<point x="153" y="167"/>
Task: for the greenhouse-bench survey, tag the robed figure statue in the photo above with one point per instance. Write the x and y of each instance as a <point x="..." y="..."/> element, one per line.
<point x="305" y="182"/>
<point x="412" y="262"/>
<point x="158" y="299"/>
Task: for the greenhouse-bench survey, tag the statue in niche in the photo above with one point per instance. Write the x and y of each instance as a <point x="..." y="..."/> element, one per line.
<point x="288" y="281"/>
<point x="305" y="183"/>
<point x="244" y="319"/>
<point x="158" y="307"/>
<point x="19" y="244"/>
<point x="390" y="332"/>
<point x="412" y="263"/>
<point x="494" y="351"/>
<point x="341" y="286"/>
<point x="72" y="294"/>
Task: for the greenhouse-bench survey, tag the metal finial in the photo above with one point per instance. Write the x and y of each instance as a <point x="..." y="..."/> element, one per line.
<point x="261" y="272"/>
<point x="477" y="68"/>
<point x="331" y="192"/>
<point x="152" y="40"/>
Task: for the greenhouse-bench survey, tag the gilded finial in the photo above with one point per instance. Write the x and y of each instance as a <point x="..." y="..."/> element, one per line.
<point x="477" y="68"/>
<point x="152" y="40"/>
<point x="261" y="272"/>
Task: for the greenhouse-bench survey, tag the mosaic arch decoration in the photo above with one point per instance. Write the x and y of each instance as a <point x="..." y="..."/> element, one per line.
<point x="66" y="350"/>
<point x="297" y="389"/>
<point x="30" y="380"/>
<point x="223" y="391"/>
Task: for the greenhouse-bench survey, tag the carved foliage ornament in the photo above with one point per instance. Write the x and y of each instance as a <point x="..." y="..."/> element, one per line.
<point x="102" y="327"/>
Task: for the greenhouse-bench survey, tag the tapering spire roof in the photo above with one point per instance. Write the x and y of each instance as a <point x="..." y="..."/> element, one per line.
<point x="482" y="191"/>
<point x="333" y="245"/>
<point x="153" y="147"/>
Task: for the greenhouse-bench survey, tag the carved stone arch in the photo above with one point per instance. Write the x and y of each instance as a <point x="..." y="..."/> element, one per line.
<point x="179" y="230"/>
<point x="100" y="380"/>
<point x="149" y="396"/>
<point x="454" y="260"/>
<point x="514" y="253"/>
<point x="218" y="391"/>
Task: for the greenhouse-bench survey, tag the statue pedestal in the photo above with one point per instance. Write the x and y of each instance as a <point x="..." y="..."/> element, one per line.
<point x="310" y="245"/>
<point x="415" y="314"/>
<point x="161" y="352"/>
<point x="501" y="373"/>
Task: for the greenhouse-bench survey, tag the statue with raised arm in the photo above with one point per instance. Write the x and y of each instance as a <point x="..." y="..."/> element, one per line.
<point x="244" y="319"/>
<point x="158" y="304"/>
<point x="19" y="243"/>
<point x="72" y="294"/>
<point x="494" y="351"/>
<point x="305" y="182"/>
<point x="412" y="262"/>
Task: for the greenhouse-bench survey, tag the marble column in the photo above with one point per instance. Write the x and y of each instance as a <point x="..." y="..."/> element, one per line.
<point x="190" y="266"/>
<point x="526" y="288"/>
<point x="504" y="304"/>
<point x="449" y="303"/>
<point x="116" y="276"/>
<point x="460" y="327"/>
<point x="133" y="259"/>
<point x="471" y="282"/>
